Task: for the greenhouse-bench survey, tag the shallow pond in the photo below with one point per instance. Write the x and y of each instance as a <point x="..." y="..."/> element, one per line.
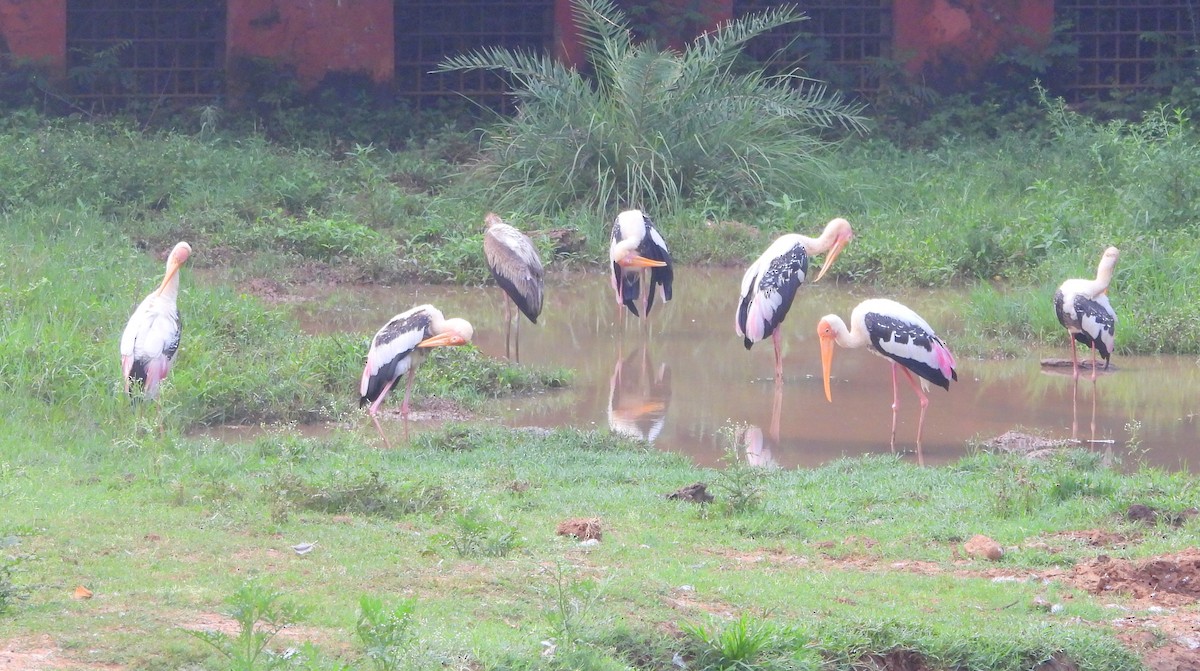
<point x="684" y="381"/>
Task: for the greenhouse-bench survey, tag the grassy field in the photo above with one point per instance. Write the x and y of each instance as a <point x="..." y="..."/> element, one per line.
<point x="445" y="553"/>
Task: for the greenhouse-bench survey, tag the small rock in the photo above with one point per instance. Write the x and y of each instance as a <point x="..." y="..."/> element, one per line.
<point x="982" y="546"/>
<point x="696" y="493"/>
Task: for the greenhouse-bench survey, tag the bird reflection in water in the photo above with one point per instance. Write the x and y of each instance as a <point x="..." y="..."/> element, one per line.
<point x="755" y="444"/>
<point x="638" y="396"/>
<point x="1058" y="367"/>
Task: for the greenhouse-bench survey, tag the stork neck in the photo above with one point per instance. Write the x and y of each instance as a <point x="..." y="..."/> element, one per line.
<point x="1104" y="273"/>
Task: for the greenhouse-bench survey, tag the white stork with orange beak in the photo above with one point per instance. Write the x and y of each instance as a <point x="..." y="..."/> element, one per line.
<point x="770" y="283"/>
<point x="637" y="245"/>
<point x="1083" y="309"/>
<point x="399" y="347"/>
<point x="151" y="338"/>
<point x="895" y="332"/>
<point x="514" y="262"/>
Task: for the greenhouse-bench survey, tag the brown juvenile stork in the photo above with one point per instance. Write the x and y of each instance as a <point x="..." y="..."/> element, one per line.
<point x="399" y="347"/>
<point x="151" y="338"/>
<point x="514" y="262"/>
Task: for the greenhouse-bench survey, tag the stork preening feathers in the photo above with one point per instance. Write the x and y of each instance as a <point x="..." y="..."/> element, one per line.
<point x="151" y="338"/>
<point x="515" y="264"/>
<point x="895" y="332"/>
<point x="399" y="347"/>
<point x="771" y="282"/>
<point x="637" y="245"/>
<point x="1082" y="307"/>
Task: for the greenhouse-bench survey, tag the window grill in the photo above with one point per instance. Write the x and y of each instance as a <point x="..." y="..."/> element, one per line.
<point x="122" y="50"/>
<point x="1125" y="47"/>
<point x="428" y="31"/>
<point x="837" y="44"/>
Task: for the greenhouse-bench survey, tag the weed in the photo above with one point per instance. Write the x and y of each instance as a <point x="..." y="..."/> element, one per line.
<point x="742" y="483"/>
<point x="260" y="615"/>
<point x="741" y="645"/>
<point x="478" y="535"/>
<point x="369" y="494"/>
<point x="571" y="602"/>
<point x="386" y="633"/>
<point x="10" y="591"/>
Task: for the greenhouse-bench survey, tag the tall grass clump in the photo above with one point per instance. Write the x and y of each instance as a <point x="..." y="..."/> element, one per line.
<point x="650" y="127"/>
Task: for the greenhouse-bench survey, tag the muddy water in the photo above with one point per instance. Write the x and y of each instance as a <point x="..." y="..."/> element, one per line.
<point x="684" y="382"/>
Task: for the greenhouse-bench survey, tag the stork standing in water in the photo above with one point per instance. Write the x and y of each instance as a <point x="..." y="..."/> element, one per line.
<point x="515" y="264"/>
<point x="151" y="338"/>
<point x="637" y="245"/>
<point x="399" y="347"/>
<point x="1082" y="307"/>
<point x="893" y="331"/>
<point x="771" y="282"/>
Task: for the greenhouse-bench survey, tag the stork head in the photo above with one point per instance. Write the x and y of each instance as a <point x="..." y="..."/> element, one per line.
<point x="839" y="230"/>
<point x="828" y="330"/>
<point x="491" y="219"/>
<point x="450" y="333"/>
<point x="175" y="260"/>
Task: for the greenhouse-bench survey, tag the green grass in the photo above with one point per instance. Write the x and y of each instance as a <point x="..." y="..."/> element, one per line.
<point x="461" y="523"/>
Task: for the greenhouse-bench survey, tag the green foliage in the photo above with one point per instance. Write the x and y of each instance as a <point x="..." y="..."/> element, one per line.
<point x="741" y="645"/>
<point x="261" y="614"/>
<point x="652" y="127"/>
<point x="10" y="590"/>
<point x="370" y="494"/>
<point x="386" y="633"/>
<point x="571" y="605"/>
<point x="477" y="534"/>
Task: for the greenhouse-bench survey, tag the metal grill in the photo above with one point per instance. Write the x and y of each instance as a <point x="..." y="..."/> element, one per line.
<point x="427" y="31"/>
<point x="837" y="43"/>
<point x="1124" y="46"/>
<point x="141" y="49"/>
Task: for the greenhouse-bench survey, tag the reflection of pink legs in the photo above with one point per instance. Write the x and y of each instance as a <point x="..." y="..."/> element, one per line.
<point x="1075" y="409"/>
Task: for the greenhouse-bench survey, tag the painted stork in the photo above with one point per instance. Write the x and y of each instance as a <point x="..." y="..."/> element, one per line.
<point x="151" y="338"/>
<point x="514" y="262"/>
<point x="636" y="246"/>
<point x="770" y="283"/>
<point x="399" y="347"/>
<point x="891" y="330"/>
<point x="1082" y="307"/>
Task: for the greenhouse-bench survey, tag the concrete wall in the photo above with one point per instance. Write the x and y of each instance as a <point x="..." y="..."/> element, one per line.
<point x="315" y="37"/>
<point x="943" y="39"/>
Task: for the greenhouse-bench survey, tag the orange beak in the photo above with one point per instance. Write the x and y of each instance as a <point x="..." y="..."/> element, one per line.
<point x="833" y="254"/>
<point x="172" y="269"/>
<point x="827" y="364"/>
<point x="637" y="261"/>
<point x="448" y="339"/>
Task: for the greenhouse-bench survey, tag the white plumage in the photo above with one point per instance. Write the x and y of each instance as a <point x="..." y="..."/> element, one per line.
<point x="637" y="245"/>
<point x="895" y="332"/>
<point x="1083" y="308"/>
<point x="770" y="283"/>
<point x="151" y="338"/>
<point x="399" y="347"/>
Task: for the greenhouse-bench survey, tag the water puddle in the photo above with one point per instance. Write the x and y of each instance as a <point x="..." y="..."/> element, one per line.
<point x="685" y="383"/>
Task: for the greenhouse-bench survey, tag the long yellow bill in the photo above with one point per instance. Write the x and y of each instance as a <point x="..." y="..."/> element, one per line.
<point x="172" y="269"/>
<point x="443" y="340"/>
<point x="827" y="364"/>
<point x="637" y="261"/>
<point x="833" y="254"/>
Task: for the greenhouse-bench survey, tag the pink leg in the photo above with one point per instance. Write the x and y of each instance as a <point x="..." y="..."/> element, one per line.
<point x="1074" y="355"/>
<point x="507" y="328"/>
<point x="924" y="404"/>
<point x="375" y="409"/>
<point x="895" y="405"/>
<point x="775" y="337"/>
<point x="517" y="337"/>
<point x="1093" y="363"/>
<point x="407" y="392"/>
<point x="1075" y="409"/>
